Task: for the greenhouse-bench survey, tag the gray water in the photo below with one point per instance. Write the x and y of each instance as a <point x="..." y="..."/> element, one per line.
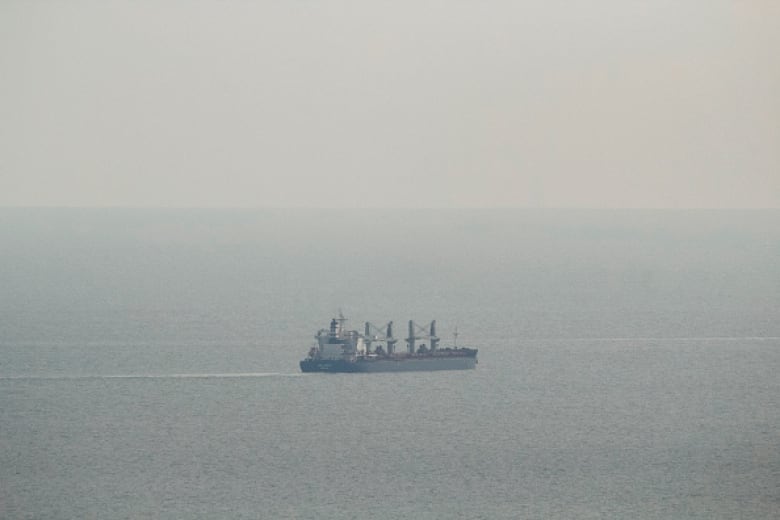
<point x="627" y="369"/>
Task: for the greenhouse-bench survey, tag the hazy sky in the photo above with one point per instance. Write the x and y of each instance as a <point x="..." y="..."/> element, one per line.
<point x="606" y="103"/>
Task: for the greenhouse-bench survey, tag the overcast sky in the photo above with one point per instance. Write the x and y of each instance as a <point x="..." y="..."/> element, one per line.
<point x="606" y="103"/>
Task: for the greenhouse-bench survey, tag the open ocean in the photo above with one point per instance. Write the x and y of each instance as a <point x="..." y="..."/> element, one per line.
<point x="629" y="364"/>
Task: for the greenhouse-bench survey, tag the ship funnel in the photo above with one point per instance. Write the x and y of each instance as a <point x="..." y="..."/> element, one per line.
<point x="333" y="326"/>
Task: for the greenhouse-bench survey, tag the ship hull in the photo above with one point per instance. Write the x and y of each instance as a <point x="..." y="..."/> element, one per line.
<point x="390" y="364"/>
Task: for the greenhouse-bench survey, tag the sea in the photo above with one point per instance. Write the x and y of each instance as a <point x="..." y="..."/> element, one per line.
<point x="629" y="364"/>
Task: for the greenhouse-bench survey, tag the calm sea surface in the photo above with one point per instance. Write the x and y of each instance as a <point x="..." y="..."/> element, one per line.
<point x="629" y="365"/>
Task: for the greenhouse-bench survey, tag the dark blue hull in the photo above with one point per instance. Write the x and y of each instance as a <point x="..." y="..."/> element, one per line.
<point x="393" y="364"/>
<point x="322" y="365"/>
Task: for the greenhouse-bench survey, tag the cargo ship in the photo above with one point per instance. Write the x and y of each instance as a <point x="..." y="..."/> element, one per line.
<point x="340" y="350"/>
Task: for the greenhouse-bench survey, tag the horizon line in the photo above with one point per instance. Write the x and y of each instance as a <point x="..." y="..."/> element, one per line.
<point x="391" y="208"/>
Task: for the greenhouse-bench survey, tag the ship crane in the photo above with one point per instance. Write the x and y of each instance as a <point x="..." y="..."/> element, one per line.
<point x="377" y="334"/>
<point x="422" y="332"/>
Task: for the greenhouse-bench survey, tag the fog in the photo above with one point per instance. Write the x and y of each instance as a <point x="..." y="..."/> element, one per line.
<point x="611" y="104"/>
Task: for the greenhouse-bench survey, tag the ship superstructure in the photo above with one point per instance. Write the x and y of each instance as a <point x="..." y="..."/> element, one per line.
<point x="341" y="350"/>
